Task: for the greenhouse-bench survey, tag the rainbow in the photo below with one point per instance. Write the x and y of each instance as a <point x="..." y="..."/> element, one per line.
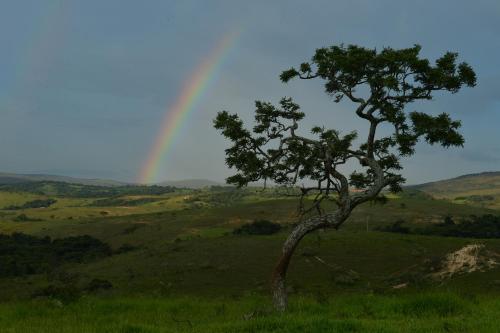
<point x="177" y="114"/>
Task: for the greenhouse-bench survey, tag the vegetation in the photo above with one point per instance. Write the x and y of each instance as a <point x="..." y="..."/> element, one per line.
<point x="427" y="312"/>
<point x="40" y="203"/>
<point x="172" y="253"/>
<point x="259" y="227"/>
<point x="83" y="191"/>
<point x="24" y="218"/>
<point x="22" y="254"/>
<point x="380" y="84"/>
<point x="482" y="189"/>
<point x="122" y="202"/>
<point x="486" y="226"/>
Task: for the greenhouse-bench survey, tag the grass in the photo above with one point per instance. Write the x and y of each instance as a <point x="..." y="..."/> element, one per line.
<point x="190" y="250"/>
<point x="189" y="273"/>
<point x="461" y="190"/>
<point x="429" y="312"/>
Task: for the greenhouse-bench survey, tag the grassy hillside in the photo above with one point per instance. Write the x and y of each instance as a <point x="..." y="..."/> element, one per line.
<point x="482" y="189"/>
<point x="14" y="178"/>
<point x="182" y="243"/>
<point x="178" y="249"/>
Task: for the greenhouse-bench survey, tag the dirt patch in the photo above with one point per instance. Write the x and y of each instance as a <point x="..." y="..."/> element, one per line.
<point x="470" y="258"/>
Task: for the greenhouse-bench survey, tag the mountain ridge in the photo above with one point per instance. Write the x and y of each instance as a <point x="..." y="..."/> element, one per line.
<point x="12" y="178"/>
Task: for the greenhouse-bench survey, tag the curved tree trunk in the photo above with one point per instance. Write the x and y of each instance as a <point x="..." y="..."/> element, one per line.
<point x="278" y="285"/>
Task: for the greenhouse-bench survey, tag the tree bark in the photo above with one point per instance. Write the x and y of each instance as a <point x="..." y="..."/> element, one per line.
<point x="278" y="285"/>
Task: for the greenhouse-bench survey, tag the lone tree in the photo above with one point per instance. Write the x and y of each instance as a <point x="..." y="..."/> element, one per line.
<point x="380" y="84"/>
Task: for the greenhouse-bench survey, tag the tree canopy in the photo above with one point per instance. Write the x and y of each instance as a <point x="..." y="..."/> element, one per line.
<point x="380" y="85"/>
<point x="387" y="81"/>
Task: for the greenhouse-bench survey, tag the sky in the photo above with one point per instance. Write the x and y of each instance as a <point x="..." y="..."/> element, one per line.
<point x="85" y="84"/>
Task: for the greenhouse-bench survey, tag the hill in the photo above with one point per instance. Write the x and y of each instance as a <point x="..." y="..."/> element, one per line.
<point x="481" y="189"/>
<point x="7" y="178"/>
<point x="14" y="178"/>
<point x="189" y="183"/>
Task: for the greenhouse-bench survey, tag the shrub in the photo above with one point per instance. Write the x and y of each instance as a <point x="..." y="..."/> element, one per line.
<point x="108" y="202"/>
<point x="22" y="254"/>
<point x="33" y="204"/>
<point x="485" y="226"/>
<point x="24" y="218"/>
<point x="258" y="227"/>
<point x="396" y="227"/>
<point x="64" y="293"/>
<point x="98" y="284"/>
<point x="126" y="248"/>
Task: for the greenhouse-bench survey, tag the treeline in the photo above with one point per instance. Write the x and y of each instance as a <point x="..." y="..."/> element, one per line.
<point x="122" y="202"/>
<point x="22" y="254"/>
<point x="62" y="189"/>
<point x="485" y="226"/>
<point x="258" y="227"/>
<point x="33" y="204"/>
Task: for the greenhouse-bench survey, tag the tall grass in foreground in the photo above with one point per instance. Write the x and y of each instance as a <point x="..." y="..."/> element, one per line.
<point x="429" y="312"/>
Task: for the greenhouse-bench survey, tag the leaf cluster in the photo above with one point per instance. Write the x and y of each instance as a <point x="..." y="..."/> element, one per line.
<point x="380" y="85"/>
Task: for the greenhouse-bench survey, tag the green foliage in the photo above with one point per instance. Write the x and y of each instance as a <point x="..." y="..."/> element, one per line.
<point x="98" y="285"/>
<point x="33" y="204"/>
<point x="395" y="227"/>
<point x="477" y="198"/>
<point x="84" y="191"/>
<point x="22" y="254"/>
<point x="24" y="218"/>
<point x="66" y="294"/>
<point x="485" y="226"/>
<point x="421" y="312"/>
<point x="259" y="227"/>
<point x="442" y="305"/>
<point x="108" y="202"/>
<point x="380" y="84"/>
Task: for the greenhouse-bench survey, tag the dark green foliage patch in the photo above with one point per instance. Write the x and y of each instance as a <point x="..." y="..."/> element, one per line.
<point x="33" y="204"/>
<point x="485" y="226"/>
<point x="259" y="227"/>
<point x="22" y="254"/>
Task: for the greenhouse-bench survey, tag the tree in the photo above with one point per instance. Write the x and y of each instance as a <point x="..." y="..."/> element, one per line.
<point x="380" y="85"/>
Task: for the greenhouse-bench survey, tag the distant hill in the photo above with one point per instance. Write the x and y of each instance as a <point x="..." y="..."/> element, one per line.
<point x="485" y="181"/>
<point x="479" y="189"/>
<point x="190" y="183"/>
<point x="13" y="178"/>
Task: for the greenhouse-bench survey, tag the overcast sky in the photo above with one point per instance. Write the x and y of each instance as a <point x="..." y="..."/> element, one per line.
<point x="84" y="85"/>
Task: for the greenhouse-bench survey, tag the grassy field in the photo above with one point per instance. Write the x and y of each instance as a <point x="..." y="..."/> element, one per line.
<point x="186" y="270"/>
<point x="429" y="312"/>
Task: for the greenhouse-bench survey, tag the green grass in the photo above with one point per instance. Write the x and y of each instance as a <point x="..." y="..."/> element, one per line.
<point x="429" y="312"/>
<point x="189" y="273"/>
<point x="190" y="250"/>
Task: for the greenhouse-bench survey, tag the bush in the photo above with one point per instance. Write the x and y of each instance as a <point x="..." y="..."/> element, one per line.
<point x="486" y="226"/>
<point x="22" y="254"/>
<point x="33" y="204"/>
<point x="258" y="227"/>
<point x="84" y="191"/>
<point x="65" y="293"/>
<point x="109" y="202"/>
<point x="98" y="284"/>
<point x="24" y="218"/>
<point x="396" y="227"/>
<point x="126" y="248"/>
<point x="80" y="248"/>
